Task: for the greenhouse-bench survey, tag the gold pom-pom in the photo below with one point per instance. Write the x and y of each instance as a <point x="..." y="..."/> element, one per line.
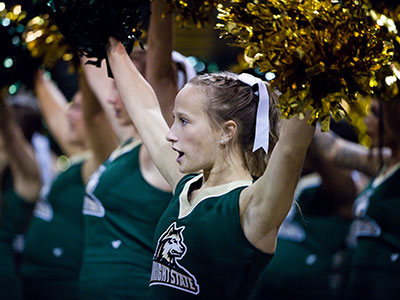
<point x="193" y="11"/>
<point x="386" y="81"/>
<point x="357" y="111"/>
<point x="44" y="41"/>
<point x="16" y="63"/>
<point x="322" y="52"/>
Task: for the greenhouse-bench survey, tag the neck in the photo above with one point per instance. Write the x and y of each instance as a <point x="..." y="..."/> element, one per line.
<point x="229" y="169"/>
<point x="77" y="149"/>
<point x="395" y="155"/>
<point x="84" y="155"/>
<point x="128" y="132"/>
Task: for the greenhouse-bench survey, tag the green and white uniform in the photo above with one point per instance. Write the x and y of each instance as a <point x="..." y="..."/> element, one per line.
<point x="54" y="241"/>
<point x="121" y="211"/>
<point x="375" y="265"/>
<point x="15" y="214"/>
<point x="309" y="250"/>
<point x="201" y="250"/>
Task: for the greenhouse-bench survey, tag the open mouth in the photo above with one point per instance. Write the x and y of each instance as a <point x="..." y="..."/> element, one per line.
<point x="180" y="154"/>
<point x="71" y="126"/>
<point x="117" y="112"/>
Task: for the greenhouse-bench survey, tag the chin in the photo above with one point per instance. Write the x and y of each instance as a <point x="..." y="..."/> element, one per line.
<point x="124" y="122"/>
<point x="182" y="169"/>
<point x="187" y="170"/>
<point x="72" y="140"/>
<point x="75" y="140"/>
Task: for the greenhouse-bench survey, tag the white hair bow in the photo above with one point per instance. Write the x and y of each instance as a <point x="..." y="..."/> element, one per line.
<point x="261" y="138"/>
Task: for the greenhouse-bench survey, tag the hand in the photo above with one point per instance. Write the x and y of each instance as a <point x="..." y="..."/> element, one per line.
<point x="114" y="46"/>
<point x="39" y="76"/>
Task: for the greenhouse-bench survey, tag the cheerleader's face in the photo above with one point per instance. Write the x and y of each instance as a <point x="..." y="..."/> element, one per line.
<point x="120" y="112"/>
<point x="372" y="123"/>
<point x="1" y="145"/>
<point x="191" y="134"/>
<point x="138" y="57"/>
<point x="391" y="120"/>
<point x="76" y="126"/>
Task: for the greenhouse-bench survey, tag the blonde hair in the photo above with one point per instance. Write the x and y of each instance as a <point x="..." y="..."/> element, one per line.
<point x="230" y="99"/>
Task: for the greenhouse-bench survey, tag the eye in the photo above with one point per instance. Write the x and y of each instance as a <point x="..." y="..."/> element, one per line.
<point x="183" y="121"/>
<point x="375" y="111"/>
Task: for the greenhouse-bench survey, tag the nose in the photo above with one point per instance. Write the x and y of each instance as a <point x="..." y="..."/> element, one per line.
<point x="171" y="136"/>
<point x="368" y="120"/>
<point x="69" y="112"/>
<point x="113" y="97"/>
<point x="112" y="100"/>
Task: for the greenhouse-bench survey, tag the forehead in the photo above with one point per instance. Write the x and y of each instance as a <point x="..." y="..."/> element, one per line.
<point x="191" y="99"/>
<point x="374" y="102"/>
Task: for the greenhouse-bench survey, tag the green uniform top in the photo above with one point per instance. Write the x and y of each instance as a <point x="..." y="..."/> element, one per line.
<point x="201" y="250"/>
<point x="15" y="212"/>
<point x="377" y="224"/>
<point x="54" y="241"/>
<point x="14" y="216"/>
<point x="121" y="211"/>
<point x="310" y="246"/>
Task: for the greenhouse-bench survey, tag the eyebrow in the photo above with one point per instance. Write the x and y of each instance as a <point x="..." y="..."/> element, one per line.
<point x="180" y="114"/>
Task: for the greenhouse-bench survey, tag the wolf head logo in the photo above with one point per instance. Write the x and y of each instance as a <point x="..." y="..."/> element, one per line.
<point x="170" y="245"/>
<point x="166" y="268"/>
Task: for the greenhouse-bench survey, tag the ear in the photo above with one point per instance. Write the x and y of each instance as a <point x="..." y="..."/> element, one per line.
<point x="228" y="132"/>
<point x="170" y="230"/>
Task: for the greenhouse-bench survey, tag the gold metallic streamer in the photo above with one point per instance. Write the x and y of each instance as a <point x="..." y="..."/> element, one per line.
<point x="16" y="63"/>
<point x="193" y="12"/>
<point x="386" y="81"/>
<point x="322" y="52"/>
<point x="357" y="111"/>
<point x="44" y="41"/>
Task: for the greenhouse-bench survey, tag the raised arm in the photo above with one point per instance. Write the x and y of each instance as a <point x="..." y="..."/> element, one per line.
<point x="348" y="154"/>
<point x="53" y="106"/>
<point x="103" y="88"/>
<point x="25" y="171"/>
<point x="101" y="137"/>
<point x="338" y="182"/>
<point x="160" y="69"/>
<point x="142" y="105"/>
<point x="265" y="204"/>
